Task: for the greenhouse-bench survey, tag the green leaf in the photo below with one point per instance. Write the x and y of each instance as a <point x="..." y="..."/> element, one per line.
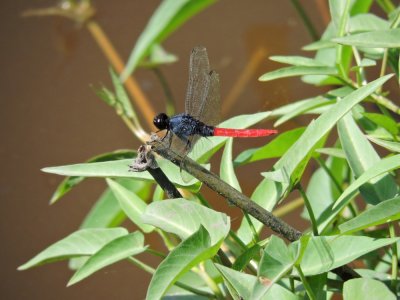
<point x="120" y="168"/>
<point x="80" y="243"/>
<point x="242" y="284"/>
<point x="195" y="249"/>
<point x="297" y="71"/>
<point x="389" y="38"/>
<point x="310" y="105"/>
<point x="243" y="260"/>
<point x="131" y="204"/>
<point x="366" y="288"/>
<point x="325" y="253"/>
<point x="169" y="15"/>
<point x="383" y="166"/>
<point x="158" y="56"/>
<point x="385" y="212"/>
<point x="297" y="61"/>
<point x="183" y="218"/>
<point x="276" y="262"/>
<point x="297" y="154"/>
<point x="106" y="212"/>
<point x="227" y="172"/>
<point x="361" y="156"/>
<point x="70" y="182"/>
<point x="384" y="121"/>
<point x="392" y="146"/>
<point x="276" y="148"/>
<point x="335" y="152"/>
<point x="114" y="251"/>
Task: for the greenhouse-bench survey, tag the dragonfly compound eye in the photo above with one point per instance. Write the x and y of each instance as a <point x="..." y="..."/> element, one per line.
<point x="161" y="121"/>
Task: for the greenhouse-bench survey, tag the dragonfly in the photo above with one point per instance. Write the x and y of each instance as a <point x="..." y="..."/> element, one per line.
<point x="202" y="109"/>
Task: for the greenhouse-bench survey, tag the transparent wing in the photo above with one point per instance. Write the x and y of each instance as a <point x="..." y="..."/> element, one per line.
<point x="198" y="85"/>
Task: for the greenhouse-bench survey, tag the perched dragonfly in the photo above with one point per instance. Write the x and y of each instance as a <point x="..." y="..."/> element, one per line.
<point x="202" y="109"/>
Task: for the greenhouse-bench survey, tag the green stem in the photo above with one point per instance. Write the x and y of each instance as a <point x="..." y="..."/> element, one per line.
<point x="309" y="210"/>
<point x="253" y="229"/>
<point x="340" y="33"/>
<point x="210" y="282"/>
<point x="237" y="240"/>
<point x="395" y="256"/>
<point x="360" y="70"/>
<point x="151" y="270"/>
<point x="306" y="284"/>
<point x="307" y="22"/>
<point x="386" y="5"/>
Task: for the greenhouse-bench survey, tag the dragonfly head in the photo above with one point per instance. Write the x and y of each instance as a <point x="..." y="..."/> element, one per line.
<point x="161" y="121"/>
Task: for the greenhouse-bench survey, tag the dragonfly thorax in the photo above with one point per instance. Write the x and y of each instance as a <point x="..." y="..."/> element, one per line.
<point x="161" y="121"/>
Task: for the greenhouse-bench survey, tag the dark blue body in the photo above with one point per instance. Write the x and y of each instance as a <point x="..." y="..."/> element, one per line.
<point x="184" y="126"/>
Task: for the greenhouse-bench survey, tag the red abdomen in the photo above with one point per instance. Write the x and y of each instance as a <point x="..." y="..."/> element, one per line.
<point x="244" y="133"/>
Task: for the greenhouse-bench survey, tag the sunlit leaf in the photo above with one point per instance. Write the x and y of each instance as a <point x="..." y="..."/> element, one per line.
<point x="131" y="204"/>
<point x="193" y="250"/>
<point x="387" y="211"/>
<point x="70" y="182"/>
<point x="80" y="243"/>
<point x="297" y="71"/>
<point x="183" y="217"/>
<point x="366" y="288"/>
<point x="227" y="172"/>
<point x="389" y="38"/>
<point x="116" y="250"/>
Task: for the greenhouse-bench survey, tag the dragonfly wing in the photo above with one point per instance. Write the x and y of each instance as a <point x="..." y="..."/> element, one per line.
<point x="197" y="90"/>
<point x="210" y="111"/>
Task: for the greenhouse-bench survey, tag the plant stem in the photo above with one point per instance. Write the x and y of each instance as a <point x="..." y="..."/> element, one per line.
<point x="253" y="230"/>
<point x="395" y="256"/>
<point x="306" y="20"/>
<point x="151" y="270"/>
<point x="386" y="5"/>
<point x="305" y="284"/>
<point x="209" y="281"/>
<point x="309" y="210"/>
<point x="142" y="103"/>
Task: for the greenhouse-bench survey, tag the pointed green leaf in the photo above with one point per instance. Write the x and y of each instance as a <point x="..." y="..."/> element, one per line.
<point x="195" y="249"/>
<point x="312" y="104"/>
<point x="389" y="38"/>
<point x="169" y="15"/>
<point x="68" y="183"/>
<point x="361" y="156"/>
<point x="384" y="121"/>
<point x="80" y="243"/>
<point x="131" y="204"/>
<point x="276" y="262"/>
<point x="297" y="71"/>
<point x="120" y="168"/>
<point x="227" y="172"/>
<point x="392" y="146"/>
<point x="324" y="253"/>
<point x="385" y="212"/>
<point x="297" y="61"/>
<point x="242" y="284"/>
<point x="114" y="251"/>
<point x="335" y="152"/>
<point x="366" y="288"/>
<point x="243" y="260"/>
<point x="183" y="218"/>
